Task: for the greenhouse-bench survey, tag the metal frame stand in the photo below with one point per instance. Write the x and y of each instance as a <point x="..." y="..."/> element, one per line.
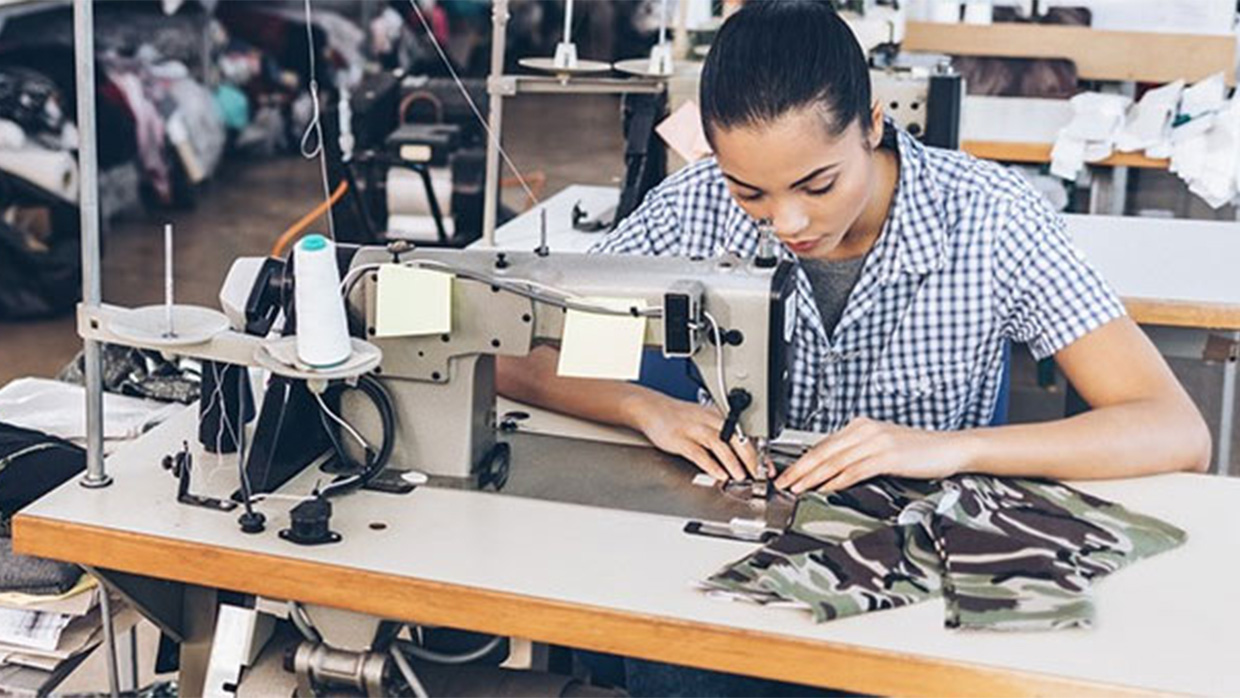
<point x="1222" y="461"/>
<point x="500" y="86"/>
<point x="92" y="285"/>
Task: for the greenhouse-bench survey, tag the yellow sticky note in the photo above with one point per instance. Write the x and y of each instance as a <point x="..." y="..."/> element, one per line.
<point x="603" y="346"/>
<point x="412" y="302"/>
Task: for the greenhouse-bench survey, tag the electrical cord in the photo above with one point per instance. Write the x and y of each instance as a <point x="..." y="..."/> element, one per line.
<point x="375" y="462"/>
<point x="406" y="671"/>
<point x="297" y="615"/>
<point x="420" y="652"/>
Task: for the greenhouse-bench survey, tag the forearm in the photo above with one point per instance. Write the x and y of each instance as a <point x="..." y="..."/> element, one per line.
<point x="532" y="379"/>
<point x="1124" y="440"/>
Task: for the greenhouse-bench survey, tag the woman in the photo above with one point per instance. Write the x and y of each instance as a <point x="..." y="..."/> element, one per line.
<point x="916" y="267"/>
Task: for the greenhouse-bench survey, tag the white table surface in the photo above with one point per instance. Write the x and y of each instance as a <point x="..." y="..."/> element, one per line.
<point x="1162" y="259"/>
<point x="1170" y="623"/>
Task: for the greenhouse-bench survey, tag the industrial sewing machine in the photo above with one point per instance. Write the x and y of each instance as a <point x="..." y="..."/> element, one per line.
<point x="731" y="317"/>
<point x="441" y="387"/>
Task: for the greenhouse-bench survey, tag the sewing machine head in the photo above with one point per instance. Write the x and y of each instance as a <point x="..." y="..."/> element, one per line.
<point x="504" y="303"/>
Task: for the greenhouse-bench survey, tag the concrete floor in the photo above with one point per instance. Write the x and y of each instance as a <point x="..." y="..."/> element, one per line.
<point x="249" y="203"/>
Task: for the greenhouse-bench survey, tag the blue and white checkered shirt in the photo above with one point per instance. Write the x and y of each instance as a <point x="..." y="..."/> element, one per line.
<point x="970" y="257"/>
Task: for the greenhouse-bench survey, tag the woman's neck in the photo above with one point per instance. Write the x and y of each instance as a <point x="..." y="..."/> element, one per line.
<point x="864" y="233"/>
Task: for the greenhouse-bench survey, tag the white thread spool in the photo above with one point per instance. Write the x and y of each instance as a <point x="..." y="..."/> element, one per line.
<point x="322" y="329"/>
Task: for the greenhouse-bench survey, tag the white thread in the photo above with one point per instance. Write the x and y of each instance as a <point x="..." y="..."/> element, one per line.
<point x="322" y="327"/>
<point x="316" y="126"/>
<point x="470" y="100"/>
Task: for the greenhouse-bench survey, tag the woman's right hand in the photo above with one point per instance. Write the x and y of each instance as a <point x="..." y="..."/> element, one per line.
<point x="691" y="431"/>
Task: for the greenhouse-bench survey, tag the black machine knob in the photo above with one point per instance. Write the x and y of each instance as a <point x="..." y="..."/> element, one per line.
<point x="739" y="400"/>
<point x="311" y="523"/>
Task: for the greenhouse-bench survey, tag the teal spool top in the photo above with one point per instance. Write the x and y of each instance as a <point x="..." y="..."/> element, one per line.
<point x="313" y="243"/>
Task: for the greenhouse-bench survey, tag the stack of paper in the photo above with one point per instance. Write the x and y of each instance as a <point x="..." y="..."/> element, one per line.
<point x="40" y="632"/>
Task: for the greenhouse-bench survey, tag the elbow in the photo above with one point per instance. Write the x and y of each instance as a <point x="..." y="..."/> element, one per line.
<point x="1196" y="443"/>
<point x="1204" y="451"/>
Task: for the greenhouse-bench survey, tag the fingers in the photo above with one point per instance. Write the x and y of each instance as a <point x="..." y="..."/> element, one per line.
<point x="824" y="452"/>
<point x="858" y="472"/>
<point x="726" y="457"/>
<point x="705" y="462"/>
<point x="749" y="456"/>
<point x="831" y="469"/>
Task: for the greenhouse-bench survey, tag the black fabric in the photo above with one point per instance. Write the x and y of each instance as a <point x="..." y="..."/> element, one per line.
<point x="138" y="373"/>
<point x="32" y="464"/>
<point x="38" y="283"/>
<point x="34" y="575"/>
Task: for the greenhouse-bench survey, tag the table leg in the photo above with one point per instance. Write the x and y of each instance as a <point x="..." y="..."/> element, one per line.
<point x="1222" y="461"/>
<point x="198" y="617"/>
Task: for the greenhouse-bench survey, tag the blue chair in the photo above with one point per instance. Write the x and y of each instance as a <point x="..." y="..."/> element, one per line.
<point x="678" y="378"/>
<point x="999" y="416"/>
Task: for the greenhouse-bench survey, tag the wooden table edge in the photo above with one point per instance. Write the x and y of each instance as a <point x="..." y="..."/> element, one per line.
<point x="1040" y="153"/>
<point x="657" y="638"/>
<point x="1193" y="314"/>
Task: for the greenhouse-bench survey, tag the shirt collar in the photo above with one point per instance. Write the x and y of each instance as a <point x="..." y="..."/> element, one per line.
<point x="917" y="221"/>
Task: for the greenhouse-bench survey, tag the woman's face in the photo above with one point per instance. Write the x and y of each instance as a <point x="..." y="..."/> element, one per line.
<point x="812" y="186"/>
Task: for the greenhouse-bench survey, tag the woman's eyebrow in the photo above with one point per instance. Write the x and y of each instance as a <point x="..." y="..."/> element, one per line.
<point x="811" y="175"/>
<point x="742" y="183"/>
<point x="794" y="185"/>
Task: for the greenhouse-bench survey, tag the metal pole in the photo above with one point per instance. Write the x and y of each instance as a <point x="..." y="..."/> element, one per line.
<point x="109" y="642"/>
<point x="88" y="191"/>
<point x="495" y="118"/>
<point x="134" y="674"/>
<point x="1227" y="416"/>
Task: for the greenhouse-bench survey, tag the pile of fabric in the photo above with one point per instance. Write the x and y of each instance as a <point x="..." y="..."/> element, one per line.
<point x="1197" y="127"/>
<point x="1005" y="554"/>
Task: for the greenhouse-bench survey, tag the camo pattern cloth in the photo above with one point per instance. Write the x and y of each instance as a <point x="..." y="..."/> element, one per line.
<point x="1005" y="554"/>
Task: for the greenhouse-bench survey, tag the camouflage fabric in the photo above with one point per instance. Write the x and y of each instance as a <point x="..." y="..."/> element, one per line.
<point x="1006" y="554"/>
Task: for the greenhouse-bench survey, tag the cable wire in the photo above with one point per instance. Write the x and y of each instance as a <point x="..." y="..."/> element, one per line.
<point x="421" y="652"/>
<point x="406" y="671"/>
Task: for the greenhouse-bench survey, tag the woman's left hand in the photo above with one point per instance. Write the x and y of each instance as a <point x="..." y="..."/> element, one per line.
<point x="867" y="448"/>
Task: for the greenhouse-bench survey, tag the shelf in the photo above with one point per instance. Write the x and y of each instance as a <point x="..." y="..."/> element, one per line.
<point x="1098" y="54"/>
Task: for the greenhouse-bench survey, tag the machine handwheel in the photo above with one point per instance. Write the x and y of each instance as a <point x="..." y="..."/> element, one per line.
<point x="494" y="471"/>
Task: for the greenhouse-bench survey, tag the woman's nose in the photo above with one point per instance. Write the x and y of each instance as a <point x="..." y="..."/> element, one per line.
<point x="789" y="219"/>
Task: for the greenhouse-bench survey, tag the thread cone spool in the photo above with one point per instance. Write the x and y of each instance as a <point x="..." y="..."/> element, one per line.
<point x="322" y="328"/>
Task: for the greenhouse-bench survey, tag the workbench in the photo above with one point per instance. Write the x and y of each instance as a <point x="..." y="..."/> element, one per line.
<point x="622" y="581"/>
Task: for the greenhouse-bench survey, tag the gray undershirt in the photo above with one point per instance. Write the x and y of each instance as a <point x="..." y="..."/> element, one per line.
<point x="832" y="281"/>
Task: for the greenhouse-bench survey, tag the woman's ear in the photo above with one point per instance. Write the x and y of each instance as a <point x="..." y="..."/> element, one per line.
<point x="876" y="125"/>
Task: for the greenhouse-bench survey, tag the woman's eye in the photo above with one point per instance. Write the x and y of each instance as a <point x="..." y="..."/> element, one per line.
<point x="820" y="190"/>
<point x="749" y="197"/>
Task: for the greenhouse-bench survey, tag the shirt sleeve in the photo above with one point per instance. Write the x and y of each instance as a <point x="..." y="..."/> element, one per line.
<point x="1055" y="296"/>
<point x="652" y="229"/>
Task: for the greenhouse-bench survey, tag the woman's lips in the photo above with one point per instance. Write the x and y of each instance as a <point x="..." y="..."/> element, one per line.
<point x="804" y="246"/>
